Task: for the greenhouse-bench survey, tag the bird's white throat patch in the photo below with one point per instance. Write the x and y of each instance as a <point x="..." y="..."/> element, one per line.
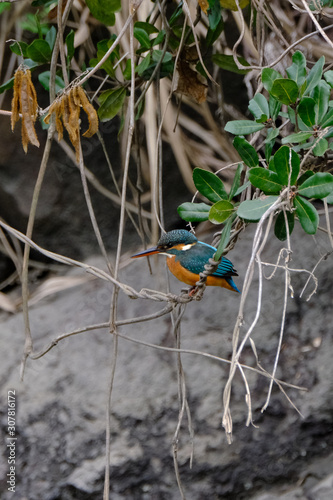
<point x="187" y="247"/>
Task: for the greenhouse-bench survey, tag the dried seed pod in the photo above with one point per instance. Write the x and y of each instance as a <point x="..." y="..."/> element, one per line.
<point x="58" y="122"/>
<point x="25" y="102"/>
<point x="90" y="111"/>
<point x="74" y="114"/>
<point x="71" y="120"/>
<point x="33" y="105"/>
<point x="29" y="112"/>
<point x="16" y="101"/>
<point x="67" y="114"/>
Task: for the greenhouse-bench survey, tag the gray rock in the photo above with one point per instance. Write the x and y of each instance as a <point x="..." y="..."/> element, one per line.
<point x="61" y="404"/>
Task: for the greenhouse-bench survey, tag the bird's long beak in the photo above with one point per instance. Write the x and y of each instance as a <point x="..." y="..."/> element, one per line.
<point x="145" y="253"/>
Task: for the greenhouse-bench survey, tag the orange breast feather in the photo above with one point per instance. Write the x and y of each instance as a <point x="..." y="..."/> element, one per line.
<point x="184" y="275"/>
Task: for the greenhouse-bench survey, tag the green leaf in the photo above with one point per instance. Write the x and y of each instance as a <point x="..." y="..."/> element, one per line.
<point x="236" y="181"/>
<point x="209" y="185"/>
<point x="220" y="211"/>
<point x="4" y="6"/>
<point x="327" y="119"/>
<point x="321" y="147"/>
<point x="242" y="188"/>
<point x="70" y="46"/>
<point x="212" y="35"/>
<point x="319" y="4"/>
<point x="7" y="85"/>
<point x="214" y="13"/>
<point x="306" y="175"/>
<point x="272" y="134"/>
<point x="306" y="111"/>
<point x="297" y="71"/>
<point x="144" y="64"/>
<point x="227" y="63"/>
<point x="177" y="13"/>
<point x="297" y="137"/>
<point x="268" y="77"/>
<point x="158" y="39"/>
<point x="142" y="37"/>
<point x="259" y="107"/>
<point x="140" y="109"/>
<point x="148" y="65"/>
<point x="147" y="27"/>
<point x="243" y="127"/>
<point x="44" y="79"/>
<point x="253" y="210"/>
<point x="29" y="63"/>
<point x="247" y="152"/>
<point x="31" y="23"/>
<point x="103" y="10"/>
<point x="51" y="36"/>
<point x="127" y="71"/>
<point x="19" y="48"/>
<point x="321" y="96"/>
<point x="285" y="158"/>
<point x="111" y="103"/>
<point x="268" y="149"/>
<point x="302" y="89"/>
<point x="157" y="55"/>
<point x="271" y="165"/>
<point x="194" y="212"/>
<point x="318" y="185"/>
<point x="266" y="180"/>
<point x="225" y="237"/>
<point x="102" y="48"/>
<point x="285" y="90"/>
<point x="39" y="51"/>
<point x="307" y="215"/>
<point x="39" y="26"/>
<point x="314" y="75"/>
<point x="274" y="107"/>
<point x="270" y="141"/>
<point x="328" y="75"/>
<point x="280" y="229"/>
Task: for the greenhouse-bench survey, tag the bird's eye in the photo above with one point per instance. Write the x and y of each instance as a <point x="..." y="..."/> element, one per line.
<point x="166" y="246"/>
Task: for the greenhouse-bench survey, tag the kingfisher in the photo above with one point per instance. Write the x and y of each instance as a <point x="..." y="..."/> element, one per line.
<point x="187" y="258"/>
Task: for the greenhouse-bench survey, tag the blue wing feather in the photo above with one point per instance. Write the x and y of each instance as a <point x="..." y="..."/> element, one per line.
<point x="199" y="254"/>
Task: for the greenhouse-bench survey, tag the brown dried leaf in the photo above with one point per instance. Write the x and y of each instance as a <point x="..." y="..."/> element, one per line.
<point x="29" y="111"/>
<point x="52" y="109"/>
<point x="58" y="122"/>
<point x="56" y="109"/>
<point x="189" y="82"/>
<point x="204" y="5"/>
<point x="74" y="114"/>
<point x="33" y="105"/>
<point x="53" y="13"/>
<point x="16" y="103"/>
<point x="65" y="112"/>
<point x="24" y="136"/>
<point x="90" y="111"/>
<point x="73" y="123"/>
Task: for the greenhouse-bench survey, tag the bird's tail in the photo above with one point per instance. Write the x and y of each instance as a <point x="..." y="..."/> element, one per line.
<point x="232" y="284"/>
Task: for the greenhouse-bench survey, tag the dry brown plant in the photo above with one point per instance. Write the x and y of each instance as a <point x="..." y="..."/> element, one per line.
<point x="67" y="114"/>
<point x="25" y="106"/>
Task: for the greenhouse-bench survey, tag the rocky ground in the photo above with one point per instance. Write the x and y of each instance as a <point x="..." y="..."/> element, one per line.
<point x="61" y="404"/>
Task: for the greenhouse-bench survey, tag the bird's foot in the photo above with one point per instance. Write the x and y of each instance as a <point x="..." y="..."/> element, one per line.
<point x="192" y="291"/>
